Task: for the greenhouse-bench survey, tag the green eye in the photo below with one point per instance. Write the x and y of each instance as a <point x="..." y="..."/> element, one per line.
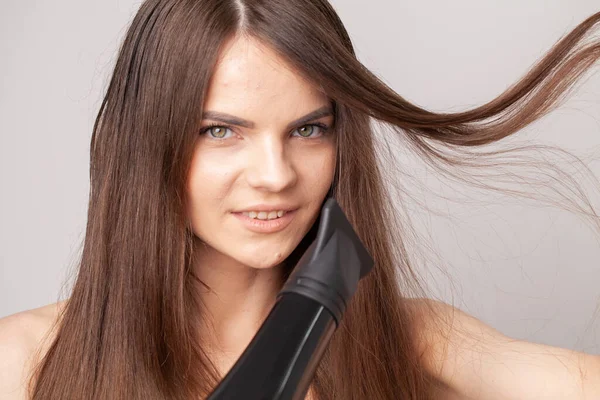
<point x="218" y="131"/>
<point x="312" y="130"/>
<point x="215" y="131"/>
<point x="306" y="130"/>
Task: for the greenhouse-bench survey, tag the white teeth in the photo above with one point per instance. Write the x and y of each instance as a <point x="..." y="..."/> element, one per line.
<point x="264" y="215"/>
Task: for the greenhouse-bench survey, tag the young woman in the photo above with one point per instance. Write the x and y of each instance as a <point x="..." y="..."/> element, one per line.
<point x="225" y="126"/>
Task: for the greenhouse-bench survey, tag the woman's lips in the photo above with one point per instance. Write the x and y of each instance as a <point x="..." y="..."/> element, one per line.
<point x="265" y="226"/>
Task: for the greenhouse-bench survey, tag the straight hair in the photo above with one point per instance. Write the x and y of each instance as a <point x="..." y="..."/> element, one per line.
<point x="129" y="328"/>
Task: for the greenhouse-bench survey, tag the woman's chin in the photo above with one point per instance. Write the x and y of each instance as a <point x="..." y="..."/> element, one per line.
<point x="267" y="262"/>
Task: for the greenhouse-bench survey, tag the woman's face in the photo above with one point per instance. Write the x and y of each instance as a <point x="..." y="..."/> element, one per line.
<point x="270" y="159"/>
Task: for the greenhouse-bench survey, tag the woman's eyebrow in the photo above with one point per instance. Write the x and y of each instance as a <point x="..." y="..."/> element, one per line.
<point x="233" y="120"/>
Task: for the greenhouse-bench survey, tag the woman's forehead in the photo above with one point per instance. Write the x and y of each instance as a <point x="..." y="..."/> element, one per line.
<point x="250" y="76"/>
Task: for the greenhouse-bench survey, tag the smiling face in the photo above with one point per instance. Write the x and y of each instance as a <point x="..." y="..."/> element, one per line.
<point x="267" y="149"/>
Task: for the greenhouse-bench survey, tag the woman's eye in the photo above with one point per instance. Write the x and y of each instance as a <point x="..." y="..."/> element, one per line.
<point x="216" y="131"/>
<point x="308" y="131"/>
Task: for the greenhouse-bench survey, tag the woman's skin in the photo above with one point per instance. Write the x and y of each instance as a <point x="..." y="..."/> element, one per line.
<point x="272" y="163"/>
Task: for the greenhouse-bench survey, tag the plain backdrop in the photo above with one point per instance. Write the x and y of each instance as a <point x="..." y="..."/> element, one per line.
<point x="532" y="272"/>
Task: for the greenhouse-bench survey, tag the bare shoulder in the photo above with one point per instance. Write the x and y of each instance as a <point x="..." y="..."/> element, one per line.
<point x="24" y="339"/>
<point x="475" y="361"/>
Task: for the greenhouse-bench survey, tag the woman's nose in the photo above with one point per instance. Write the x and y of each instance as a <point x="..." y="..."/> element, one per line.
<point x="270" y="169"/>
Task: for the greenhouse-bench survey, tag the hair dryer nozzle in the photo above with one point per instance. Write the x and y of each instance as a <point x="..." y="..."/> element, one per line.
<point x="330" y="269"/>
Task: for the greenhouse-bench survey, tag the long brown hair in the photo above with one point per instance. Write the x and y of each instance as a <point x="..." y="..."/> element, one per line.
<point x="128" y="330"/>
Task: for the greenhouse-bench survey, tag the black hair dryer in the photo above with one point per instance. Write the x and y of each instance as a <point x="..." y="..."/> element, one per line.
<point x="280" y="361"/>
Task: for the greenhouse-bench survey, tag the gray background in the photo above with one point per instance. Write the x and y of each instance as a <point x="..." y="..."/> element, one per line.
<point x="532" y="272"/>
